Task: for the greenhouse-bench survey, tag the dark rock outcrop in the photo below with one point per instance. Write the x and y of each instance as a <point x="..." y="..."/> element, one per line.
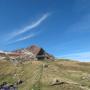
<point x="40" y="53"/>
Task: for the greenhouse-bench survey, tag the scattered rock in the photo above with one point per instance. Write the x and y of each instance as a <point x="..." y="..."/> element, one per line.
<point x="7" y="86"/>
<point x="45" y="65"/>
<point x="83" y="78"/>
<point x="19" y="82"/>
<point x="86" y="77"/>
<point x="57" y="82"/>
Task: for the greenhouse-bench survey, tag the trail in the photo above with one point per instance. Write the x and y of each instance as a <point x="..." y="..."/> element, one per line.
<point x="37" y="84"/>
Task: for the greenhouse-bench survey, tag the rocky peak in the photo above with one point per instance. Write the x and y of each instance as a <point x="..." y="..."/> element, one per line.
<point x="30" y="53"/>
<point x="40" y="53"/>
<point x="35" y="50"/>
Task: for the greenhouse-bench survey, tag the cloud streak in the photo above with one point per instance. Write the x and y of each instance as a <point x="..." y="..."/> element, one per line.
<point x="31" y="26"/>
<point x="23" y="38"/>
<point x="82" y="56"/>
<point x="11" y="36"/>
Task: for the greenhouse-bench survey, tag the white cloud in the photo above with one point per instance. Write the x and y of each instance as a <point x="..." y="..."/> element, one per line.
<point x="23" y="38"/>
<point x="31" y="26"/>
<point x="12" y="35"/>
<point x="82" y="56"/>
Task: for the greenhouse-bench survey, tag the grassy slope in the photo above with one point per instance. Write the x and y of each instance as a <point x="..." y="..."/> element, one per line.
<point x="36" y="77"/>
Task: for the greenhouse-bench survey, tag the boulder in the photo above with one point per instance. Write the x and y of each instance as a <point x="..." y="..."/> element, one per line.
<point x="57" y="82"/>
<point x="45" y="65"/>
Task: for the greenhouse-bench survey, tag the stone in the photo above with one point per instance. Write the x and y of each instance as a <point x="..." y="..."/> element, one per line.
<point x="57" y="82"/>
<point x="45" y="65"/>
<point x="19" y="82"/>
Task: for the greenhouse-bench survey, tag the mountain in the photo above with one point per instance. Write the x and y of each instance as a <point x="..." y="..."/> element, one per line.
<point x="30" y="53"/>
<point x="32" y="68"/>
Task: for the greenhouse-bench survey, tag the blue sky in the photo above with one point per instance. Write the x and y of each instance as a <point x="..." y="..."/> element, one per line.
<point x="61" y="27"/>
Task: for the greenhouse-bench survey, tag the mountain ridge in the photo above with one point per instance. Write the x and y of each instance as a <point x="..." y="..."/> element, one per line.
<point x="32" y="52"/>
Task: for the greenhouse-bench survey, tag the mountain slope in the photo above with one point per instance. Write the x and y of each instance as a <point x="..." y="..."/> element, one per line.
<point x="38" y="75"/>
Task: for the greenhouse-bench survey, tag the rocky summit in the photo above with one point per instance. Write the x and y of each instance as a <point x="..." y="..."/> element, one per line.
<point x="40" y="53"/>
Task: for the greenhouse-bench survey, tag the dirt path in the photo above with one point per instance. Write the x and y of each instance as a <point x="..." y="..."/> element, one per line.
<point x="37" y="84"/>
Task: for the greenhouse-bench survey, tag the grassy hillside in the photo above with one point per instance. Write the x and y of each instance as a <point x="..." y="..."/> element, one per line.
<point x="38" y="75"/>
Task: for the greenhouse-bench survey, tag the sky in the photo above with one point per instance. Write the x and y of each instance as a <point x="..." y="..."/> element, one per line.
<point x="61" y="27"/>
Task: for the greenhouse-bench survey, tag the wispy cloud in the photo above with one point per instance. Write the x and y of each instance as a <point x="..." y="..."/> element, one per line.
<point x="11" y="36"/>
<point x="82" y="56"/>
<point x="31" y="26"/>
<point x="23" y="38"/>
